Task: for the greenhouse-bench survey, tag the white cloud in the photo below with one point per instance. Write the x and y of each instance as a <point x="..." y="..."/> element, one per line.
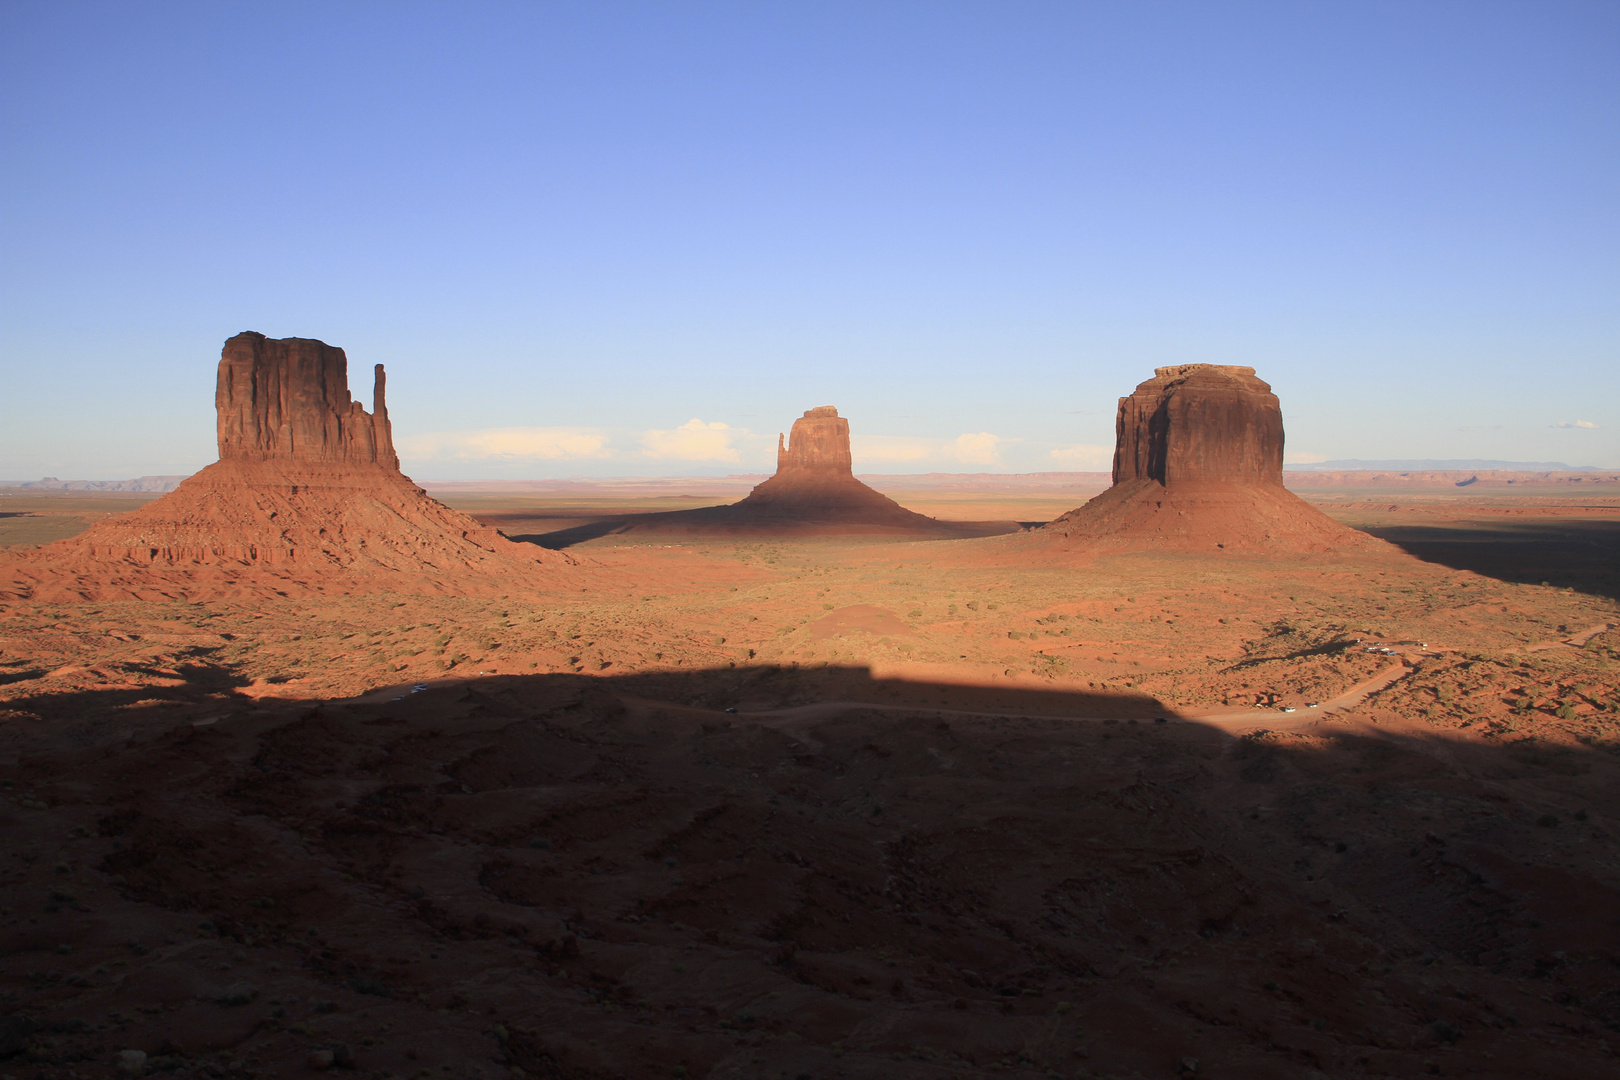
<point x="695" y="441"/>
<point x="978" y="448"/>
<point x="871" y="448"/>
<point x="1086" y="457"/>
<point x="974" y="448"/>
<point x="514" y="443"/>
<point x="1575" y="424"/>
<point x="1295" y="458"/>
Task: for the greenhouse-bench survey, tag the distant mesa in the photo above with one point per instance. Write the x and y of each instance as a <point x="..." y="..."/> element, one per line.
<point x="813" y="492"/>
<point x="820" y="442"/>
<point x="1438" y="465"/>
<point x="141" y="484"/>
<point x="815" y="482"/>
<point x="1198" y="465"/>
<point x="306" y="496"/>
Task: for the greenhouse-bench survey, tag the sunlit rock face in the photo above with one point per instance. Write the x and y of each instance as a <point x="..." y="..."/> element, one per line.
<point x="307" y="496"/>
<point x="288" y="399"/>
<point x="818" y="442"/>
<point x="1200" y="425"/>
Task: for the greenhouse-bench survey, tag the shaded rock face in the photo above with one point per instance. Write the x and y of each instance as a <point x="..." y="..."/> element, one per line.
<point x="815" y="477"/>
<point x="819" y="441"/>
<point x="1200" y="425"/>
<point x="1198" y="466"/>
<point x="288" y="400"/>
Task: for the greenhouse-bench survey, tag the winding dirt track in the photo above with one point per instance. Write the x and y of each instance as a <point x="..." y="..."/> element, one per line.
<point x="1346" y="701"/>
<point x="1577" y="640"/>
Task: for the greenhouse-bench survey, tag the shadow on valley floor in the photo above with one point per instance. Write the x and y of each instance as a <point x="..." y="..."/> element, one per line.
<point x="578" y="534"/>
<point x="1581" y="555"/>
<point x="687" y="525"/>
<point x="197" y="681"/>
<point x="591" y="877"/>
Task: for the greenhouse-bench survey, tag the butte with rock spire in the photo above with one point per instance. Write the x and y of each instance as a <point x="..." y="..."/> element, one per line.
<point x="815" y="483"/>
<point x="307" y="496"/>
<point x="1198" y="456"/>
<point x="813" y="492"/>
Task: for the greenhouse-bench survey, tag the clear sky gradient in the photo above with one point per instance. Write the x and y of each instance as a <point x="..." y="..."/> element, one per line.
<point x="639" y="239"/>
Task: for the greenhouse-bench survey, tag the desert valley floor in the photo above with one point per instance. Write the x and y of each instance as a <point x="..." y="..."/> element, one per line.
<point x="815" y="807"/>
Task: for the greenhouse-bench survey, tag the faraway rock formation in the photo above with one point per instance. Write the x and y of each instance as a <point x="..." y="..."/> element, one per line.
<point x="1198" y="465"/>
<point x="814" y="491"/>
<point x="815" y="482"/>
<point x="306" y="496"/>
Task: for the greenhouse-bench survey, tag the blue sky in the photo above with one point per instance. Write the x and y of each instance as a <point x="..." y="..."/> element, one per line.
<point x="639" y="239"/>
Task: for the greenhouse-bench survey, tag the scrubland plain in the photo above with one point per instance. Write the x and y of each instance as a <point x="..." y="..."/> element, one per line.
<point x="835" y="807"/>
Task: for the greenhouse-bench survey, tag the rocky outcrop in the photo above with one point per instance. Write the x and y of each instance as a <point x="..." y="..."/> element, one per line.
<point x="819" y="443"/>
<point x="815" y="479"/>
<point x="814" y="492"/>
<point x="1198" y="466"/>
<point x="307" y="496"/>
<point x="1200" y="424"/>
<point x="288" y="400"/>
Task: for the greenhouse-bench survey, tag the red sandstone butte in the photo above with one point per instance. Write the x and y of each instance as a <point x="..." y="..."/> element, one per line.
<point x="289" y="400"/>
<point x="815" y="480"/>
<point x="1200" y="424"/>
<point x="1198" y="465"/>
<point x="814" y="492"/>
<point x="306" y="496"/>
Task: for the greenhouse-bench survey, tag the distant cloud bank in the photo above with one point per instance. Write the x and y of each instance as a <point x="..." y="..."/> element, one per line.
<point x="713" y="445"/>
<point x="1575" y="424"/>
<point x="696" y="440"/>
<point x="508" y="444"/>
<point x="1085" y="457"/>
<point x="973" y="448"/>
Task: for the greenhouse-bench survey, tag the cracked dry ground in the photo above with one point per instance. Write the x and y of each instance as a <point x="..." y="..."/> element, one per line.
<point x="855" y="875"/>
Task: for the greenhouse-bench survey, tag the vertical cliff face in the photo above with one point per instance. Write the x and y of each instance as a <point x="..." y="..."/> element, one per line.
<point x="819" y="442"/>
<point x="288" y="400"/>
<point x="1200" y="425"/>
<point x="1198" y="466"/>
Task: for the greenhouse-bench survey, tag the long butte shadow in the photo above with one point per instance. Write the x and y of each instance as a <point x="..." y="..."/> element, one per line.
<point x="661" y="883"/>
<point x="1582" y="555"/>
<point x="711" y="522"/>
<point x="566" y="538"/>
